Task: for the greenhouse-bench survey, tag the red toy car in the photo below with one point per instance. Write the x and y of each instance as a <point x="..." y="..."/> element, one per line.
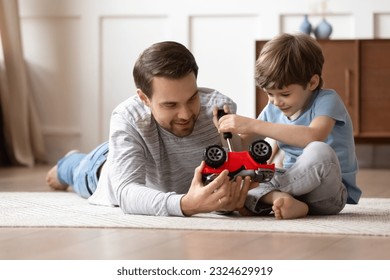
<point x="251" y="163"/>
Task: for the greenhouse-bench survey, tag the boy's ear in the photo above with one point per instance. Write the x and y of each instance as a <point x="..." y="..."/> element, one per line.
<point x="314" y="82"/>
<point x="143" y="97"/>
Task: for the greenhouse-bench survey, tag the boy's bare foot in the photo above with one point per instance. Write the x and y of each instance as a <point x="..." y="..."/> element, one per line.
<point x="287" y="207"/>
<point x="52" y="180"/>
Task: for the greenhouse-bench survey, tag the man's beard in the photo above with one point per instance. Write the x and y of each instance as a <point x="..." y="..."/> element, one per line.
<point x="182" y="128"/>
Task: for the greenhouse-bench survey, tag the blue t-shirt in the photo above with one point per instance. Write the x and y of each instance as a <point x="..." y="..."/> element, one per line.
<point x="324" y="102"/>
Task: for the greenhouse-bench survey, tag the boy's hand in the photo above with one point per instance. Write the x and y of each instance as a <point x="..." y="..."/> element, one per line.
<point x="215" y="114"/>
<point x="235" y="124"/>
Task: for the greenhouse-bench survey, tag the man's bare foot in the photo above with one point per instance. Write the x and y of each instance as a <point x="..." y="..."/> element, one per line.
<point x="287" y="207"/>
<point x="52" y="180"/>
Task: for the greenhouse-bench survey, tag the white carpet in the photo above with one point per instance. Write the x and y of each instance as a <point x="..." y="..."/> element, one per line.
<point x="64" y="209"/>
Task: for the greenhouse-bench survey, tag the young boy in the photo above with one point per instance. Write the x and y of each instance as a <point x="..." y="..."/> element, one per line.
<point x="311" y="126"/>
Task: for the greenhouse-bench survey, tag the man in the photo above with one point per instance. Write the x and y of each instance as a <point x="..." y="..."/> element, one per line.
<point x="156" y="140"/>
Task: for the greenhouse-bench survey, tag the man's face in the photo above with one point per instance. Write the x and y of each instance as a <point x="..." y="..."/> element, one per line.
<point x="175" y="104"/>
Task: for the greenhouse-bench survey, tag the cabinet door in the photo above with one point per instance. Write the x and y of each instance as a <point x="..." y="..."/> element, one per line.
<point x="341" y="73"/>
<point x="374" y="88"/>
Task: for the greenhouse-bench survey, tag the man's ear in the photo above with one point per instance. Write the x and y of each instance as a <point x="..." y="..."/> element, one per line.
<point x="314" y="82"/>
<point x="143" y="97"/>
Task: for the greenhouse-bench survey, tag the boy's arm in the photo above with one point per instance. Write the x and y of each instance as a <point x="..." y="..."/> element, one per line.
<point x="294" y="135"/>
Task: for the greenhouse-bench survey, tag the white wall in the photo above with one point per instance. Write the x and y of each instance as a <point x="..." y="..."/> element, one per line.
<point x="81" y="52"/>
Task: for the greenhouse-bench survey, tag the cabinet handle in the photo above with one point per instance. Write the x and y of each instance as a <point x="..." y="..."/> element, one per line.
<point x="347" y="75"/>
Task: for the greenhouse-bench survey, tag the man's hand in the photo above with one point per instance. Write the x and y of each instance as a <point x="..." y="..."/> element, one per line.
<point x="219" y="195"/>
<point x="238" y="191"/>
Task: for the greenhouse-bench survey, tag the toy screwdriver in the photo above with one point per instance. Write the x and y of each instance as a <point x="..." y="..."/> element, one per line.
<point x="226" y="135"/>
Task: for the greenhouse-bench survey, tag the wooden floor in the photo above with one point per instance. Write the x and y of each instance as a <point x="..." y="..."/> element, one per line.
<point x="94" y="244"/>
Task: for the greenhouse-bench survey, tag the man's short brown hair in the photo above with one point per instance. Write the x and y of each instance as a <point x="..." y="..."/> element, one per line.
<point x="166" y="59"/>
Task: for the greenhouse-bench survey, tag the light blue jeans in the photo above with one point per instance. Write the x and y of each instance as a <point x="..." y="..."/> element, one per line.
<point x="315" y="178"/>
<point x="81" y="170"/>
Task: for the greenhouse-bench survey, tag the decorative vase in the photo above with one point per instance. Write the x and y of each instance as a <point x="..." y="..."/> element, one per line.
<point x="305" y="26"/>
<point x="323" y="30"/>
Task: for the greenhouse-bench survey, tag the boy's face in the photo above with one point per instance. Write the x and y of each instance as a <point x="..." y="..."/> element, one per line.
<point x="175" y="104"/>
<point x="292" y="99"/>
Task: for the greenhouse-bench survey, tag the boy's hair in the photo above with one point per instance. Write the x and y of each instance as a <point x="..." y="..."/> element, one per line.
<point x="164" y="59"/>
<point x="289" y="59"/>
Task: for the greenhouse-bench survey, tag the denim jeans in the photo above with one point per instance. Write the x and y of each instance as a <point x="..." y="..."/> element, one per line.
<point x="315" y="178"/>
<point x="81" y="170"/>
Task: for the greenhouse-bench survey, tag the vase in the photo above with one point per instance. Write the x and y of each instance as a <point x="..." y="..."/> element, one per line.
<point x="323" y="30"/>
<point x="306" y="26"/>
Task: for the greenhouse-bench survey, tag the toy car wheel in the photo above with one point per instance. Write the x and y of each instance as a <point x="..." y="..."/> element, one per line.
<point x="214" y="156"/>
<point x="260" y="151"/>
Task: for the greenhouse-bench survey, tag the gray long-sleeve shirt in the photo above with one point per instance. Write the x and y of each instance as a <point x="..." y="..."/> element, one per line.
<point x="149" y="169"/>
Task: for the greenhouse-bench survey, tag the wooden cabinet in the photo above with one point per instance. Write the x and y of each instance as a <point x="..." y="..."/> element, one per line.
<point x="359" y="70"/>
